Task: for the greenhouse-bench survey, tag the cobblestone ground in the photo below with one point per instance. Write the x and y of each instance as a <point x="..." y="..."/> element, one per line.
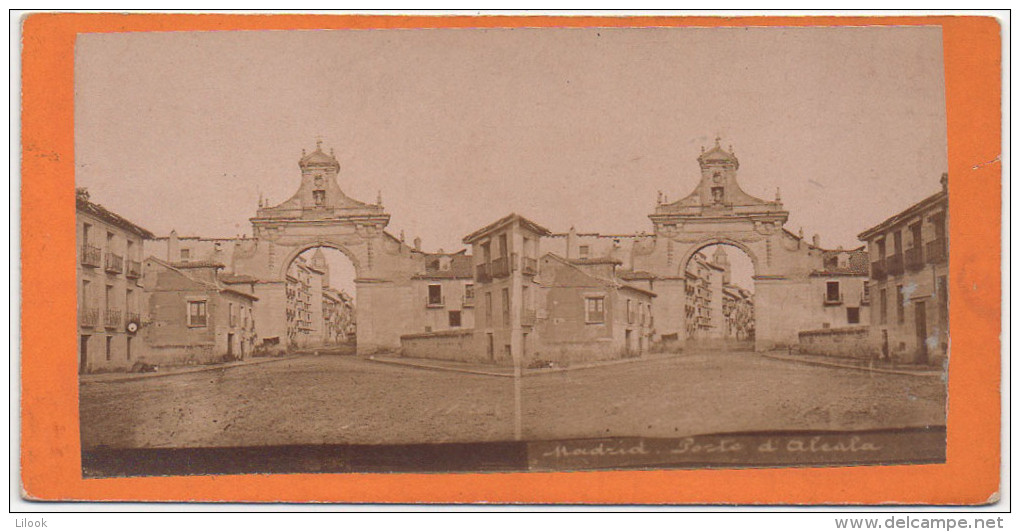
<point x="332" y="399"/>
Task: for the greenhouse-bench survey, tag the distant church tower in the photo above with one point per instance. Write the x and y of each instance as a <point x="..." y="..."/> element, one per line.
<point x="319" y="263"/>
<point x="720" y="259"/>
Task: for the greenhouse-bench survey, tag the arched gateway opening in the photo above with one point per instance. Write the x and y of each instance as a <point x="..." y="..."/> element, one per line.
<point x="321" y="300"/>
<point x="719" y="298"/>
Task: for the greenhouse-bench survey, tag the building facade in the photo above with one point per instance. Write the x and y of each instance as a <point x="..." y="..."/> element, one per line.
<point x="110" y="298"/>
<point x="908" y="290"/>
<point x="193" y="317"/>
<point x="445" y="292"/>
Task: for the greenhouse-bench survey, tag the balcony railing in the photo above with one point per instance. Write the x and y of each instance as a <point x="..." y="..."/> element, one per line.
<point x="483" y="273"/>
<point x="528" y="317"/>
<point x="878" y="270"/>
<point x="89" y="317"/>
<point x="529" y="266"/>
<point x="114" y="262"/>
<point x="501" y="267"/>
<point x="112" y="318"/>
<point x="132" y="317"/>
<point x="915" y="261"/>
<point x="134" y="269"/>
<point x="91" y="256"/>
<point x="435" y="302"/>
<point x="468" y="300"/>
<point x="895" y="264"/>
<point x="936" y="251"/>
<point x="828" y="300"/>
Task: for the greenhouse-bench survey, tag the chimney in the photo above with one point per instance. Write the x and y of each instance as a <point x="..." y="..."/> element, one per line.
<point x="417" y="243"/>
<point x="571" y="240"/>
<point x="173" y="247"/>
<point x="816" y="241"/>
<point x="945" y="182"/>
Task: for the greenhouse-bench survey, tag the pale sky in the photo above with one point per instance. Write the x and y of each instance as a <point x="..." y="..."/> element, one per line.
<point x="456" y="128"/>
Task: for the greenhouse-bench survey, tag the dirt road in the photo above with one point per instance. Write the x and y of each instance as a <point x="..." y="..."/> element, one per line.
<point x="333" y="399"/>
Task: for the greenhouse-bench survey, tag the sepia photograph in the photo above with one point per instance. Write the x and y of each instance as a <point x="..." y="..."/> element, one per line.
<point x="511" y="249"/>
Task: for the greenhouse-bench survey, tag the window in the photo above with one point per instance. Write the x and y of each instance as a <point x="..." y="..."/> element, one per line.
<point x="86" y="297"/>
<point x="866" y="294"/>
<point x="487" y="252"/>
<point x="185" y="254"/>
<point x="454" y="318"/>
<point x="503" y="247"/>
<point x="319" y="196"/>
<point x="883" y="305"/>
<point x="897" y="243"/>
<point x="230" y="313"/>
<point x="128" y="352"/>
<point x="109" y="241"/>
<point x="899" y="303"/>
<point x="525" y="298"/>
<point x="583" y="251"/>
<point x="129" y="301"/>
<point x="880" y="243"/>
<point x="717" y="195"/>
<point x="435" y="295"/>
<point x="469" y="292"/>
<point x="832" y="292"/>
<point x="853" y="315"/>
<point x="506" y="306"/>
<point x="108" y="304"/>
<point x="86" y="230"/>
<point x="491" y="346"/>
<point x="109" y="347"/>
<point x="594" y="310"/>
<point x="630" y="311"/>
<point x="488" y="309"/>
<point x="130" y="250"/>
<point x="196" y="314"/>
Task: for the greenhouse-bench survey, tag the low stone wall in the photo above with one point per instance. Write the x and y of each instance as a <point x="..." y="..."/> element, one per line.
<point x="849" y="342"/>
<point x="564" y="354"/>
<point x="442" y="345"/>
<point x="181" y="355"/>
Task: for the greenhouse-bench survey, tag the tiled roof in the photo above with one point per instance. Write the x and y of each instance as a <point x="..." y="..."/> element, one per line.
<point x="596" y="260"/>
<point x="461" y="266"/>
<point x="636" y="276"/>
<point x="857" y="263"/>
<point x="906" y="214"/>
<point x="197" y="264"/>
<point x="230" y="278"/>
<point x="110" y="217"/>
<point x="504" y="221"/>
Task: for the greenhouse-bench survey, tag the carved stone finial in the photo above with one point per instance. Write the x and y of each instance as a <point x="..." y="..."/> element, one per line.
<point x="777" y="195"/>
<point x="378" y="198"/>
<point x="401" y="235"/>
<point x="303" y="152"/>
<point x="717" y="139"/>
<point x="318" y="144"/>
<point x="702" y="149"/>
<point x="801" y="233"/>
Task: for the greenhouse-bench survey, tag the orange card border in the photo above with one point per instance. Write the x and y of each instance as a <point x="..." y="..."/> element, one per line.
<point x="50" y="448"/>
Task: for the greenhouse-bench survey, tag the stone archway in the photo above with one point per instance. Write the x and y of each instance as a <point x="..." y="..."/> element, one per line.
<point x="718" y="211"/>
<point x="320" y="214"/>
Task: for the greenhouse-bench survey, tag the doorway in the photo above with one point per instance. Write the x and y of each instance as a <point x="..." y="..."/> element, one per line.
<point x="83" y="354"/>
<point x="230" y="345"/>
<point x="921" y="326"/>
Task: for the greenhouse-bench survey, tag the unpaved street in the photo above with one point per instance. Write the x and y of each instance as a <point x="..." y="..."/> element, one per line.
<point x="333" y="399"/>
